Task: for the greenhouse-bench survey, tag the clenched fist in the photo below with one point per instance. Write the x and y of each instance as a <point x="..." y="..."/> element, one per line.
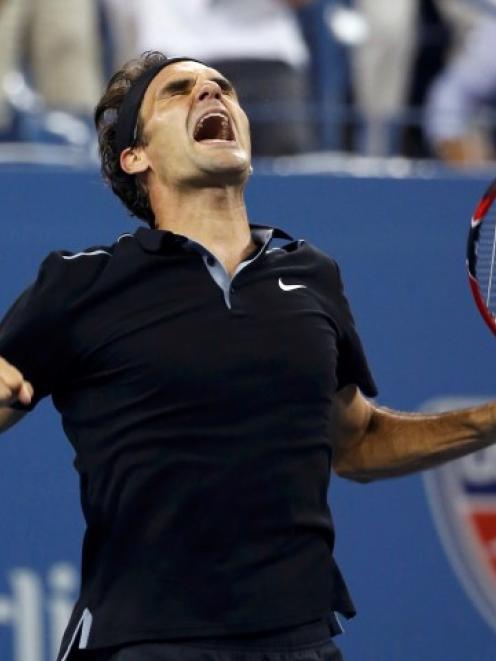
<point x="13" y="387"/>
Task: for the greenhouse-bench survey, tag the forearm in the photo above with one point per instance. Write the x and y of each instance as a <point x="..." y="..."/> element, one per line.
<point x="396" y="443"/>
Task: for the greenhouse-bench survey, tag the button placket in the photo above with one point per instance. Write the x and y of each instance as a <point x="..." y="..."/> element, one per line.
<point x="217" y="271"/>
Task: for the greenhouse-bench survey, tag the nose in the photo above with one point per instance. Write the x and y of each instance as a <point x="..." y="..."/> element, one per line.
<point x="209" y="89"/>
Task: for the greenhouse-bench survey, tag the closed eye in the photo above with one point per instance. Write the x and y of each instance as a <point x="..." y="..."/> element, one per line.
<point x="225" y="85"/>
<point x="185" y="85"/>
<point x="180" y="86"/>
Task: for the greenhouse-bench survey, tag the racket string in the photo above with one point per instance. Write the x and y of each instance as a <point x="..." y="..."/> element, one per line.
<point x="486" y="259"/>
<point x="493" y="253"/>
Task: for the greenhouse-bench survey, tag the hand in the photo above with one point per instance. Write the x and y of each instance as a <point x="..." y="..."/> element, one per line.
<point x="13" y="387"/>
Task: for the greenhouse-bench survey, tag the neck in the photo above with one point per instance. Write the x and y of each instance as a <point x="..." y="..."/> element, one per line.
<point x="215" y="217"/>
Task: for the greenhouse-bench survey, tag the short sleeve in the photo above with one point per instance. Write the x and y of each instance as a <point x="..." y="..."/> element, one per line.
<point x="30" y="332"/>
<point x="352" y="364"/>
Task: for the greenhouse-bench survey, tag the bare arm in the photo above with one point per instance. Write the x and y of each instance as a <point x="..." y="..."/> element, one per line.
<point x="375" y="442"/>
<point x="13" y="387"/>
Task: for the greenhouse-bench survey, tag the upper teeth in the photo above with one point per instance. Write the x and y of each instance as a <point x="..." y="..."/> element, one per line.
<point x="223" y="117"/>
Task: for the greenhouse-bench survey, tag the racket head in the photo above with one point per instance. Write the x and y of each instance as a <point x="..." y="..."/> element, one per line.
<point x="481" y="256"/>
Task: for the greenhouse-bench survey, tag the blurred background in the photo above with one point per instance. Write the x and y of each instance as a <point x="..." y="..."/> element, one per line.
<point x="374" y="131"/>
<point x="410" y="78"/>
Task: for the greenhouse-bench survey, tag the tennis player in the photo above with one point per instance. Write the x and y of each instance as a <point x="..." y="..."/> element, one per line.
<point x="208" y="374"/>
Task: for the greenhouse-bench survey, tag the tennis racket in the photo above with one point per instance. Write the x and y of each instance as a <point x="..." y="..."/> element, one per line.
<point x="481" y="256"/>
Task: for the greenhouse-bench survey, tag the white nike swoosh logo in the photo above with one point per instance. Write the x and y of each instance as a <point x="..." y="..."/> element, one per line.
<point x="289" y="287"/>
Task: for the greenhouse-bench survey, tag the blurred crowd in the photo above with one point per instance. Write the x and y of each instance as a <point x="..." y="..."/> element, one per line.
<point x="377" y="77"/>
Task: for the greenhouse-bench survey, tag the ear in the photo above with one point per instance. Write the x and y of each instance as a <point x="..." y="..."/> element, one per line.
<point x="134" y="160"/>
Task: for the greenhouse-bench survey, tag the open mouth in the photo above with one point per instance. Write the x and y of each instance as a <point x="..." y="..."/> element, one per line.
<point x="214" y="126"/>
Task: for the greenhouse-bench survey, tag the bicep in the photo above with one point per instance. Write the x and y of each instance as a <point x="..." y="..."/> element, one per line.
<point x="9" y="417"/>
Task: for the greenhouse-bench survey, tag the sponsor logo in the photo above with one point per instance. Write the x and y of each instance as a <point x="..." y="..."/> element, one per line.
<point x="35" y="612"/>
<point x="462" y="498"/>
<point x="289" y="287"/>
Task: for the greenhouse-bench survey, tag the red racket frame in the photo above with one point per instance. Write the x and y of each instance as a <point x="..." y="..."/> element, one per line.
<point x="473" y="237"/>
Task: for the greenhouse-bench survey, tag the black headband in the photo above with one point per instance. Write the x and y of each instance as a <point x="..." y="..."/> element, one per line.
<point x="127" y="120"/>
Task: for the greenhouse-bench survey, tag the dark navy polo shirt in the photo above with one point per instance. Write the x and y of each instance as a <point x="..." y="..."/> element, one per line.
<point x="199" y="410"/>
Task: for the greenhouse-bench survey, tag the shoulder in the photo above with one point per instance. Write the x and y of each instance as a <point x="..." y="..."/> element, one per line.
<point x="63" y="272"/>
<point x="305" y="254"/>
<point x="63" y="277"/>
<point x="319" y="257"/>
<point x="93" y="254"/>
<point x="85" y="261"/>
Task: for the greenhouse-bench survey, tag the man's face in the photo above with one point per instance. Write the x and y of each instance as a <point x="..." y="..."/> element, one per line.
<point x="194" y="128"/>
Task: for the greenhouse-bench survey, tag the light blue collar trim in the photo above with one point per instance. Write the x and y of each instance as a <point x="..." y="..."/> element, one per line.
<point x="260" y="236"/>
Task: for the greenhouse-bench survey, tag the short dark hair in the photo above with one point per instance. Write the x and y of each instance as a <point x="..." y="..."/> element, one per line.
<point x="129" y="188"/>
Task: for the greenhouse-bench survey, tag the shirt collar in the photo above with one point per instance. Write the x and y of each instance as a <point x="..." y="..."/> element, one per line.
<point x="153" y="240"/>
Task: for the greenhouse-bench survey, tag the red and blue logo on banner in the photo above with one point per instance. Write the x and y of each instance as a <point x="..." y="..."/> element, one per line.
<point x="462" y="497"/>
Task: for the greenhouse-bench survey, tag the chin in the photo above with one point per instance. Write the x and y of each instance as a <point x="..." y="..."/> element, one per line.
<point x="230" y="167"/>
